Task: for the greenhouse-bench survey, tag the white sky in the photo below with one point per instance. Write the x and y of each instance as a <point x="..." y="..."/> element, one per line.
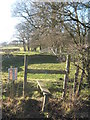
<point x="7" y="23"/>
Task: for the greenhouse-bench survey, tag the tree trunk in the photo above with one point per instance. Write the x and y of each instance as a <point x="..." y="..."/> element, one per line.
<point x="88" y="65"/>
<point x="88" y="55"/>
<point x="66" y="76"/>
<point x="28" y="46"/>
<point x="24" y="46"/>
<point x="25" y="75"/>
<point x="80" y="83"/>
<point x="31" y="49"/>
<point x="40" y="48"/>
<point x="75" y="80"/>
<point x="35" y="49"/>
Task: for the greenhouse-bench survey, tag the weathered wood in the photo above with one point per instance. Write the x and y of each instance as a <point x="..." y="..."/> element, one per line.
<point x="13" y="89"/>
<point x="66" y="76"/>
<point x="46" y="94"/>
<point x="25" y="75"/>
<point x="42" y="88"/>
<point x="45" y="101"/>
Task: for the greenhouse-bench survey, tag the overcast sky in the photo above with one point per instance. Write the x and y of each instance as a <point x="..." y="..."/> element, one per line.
<point x="7" y="23"/>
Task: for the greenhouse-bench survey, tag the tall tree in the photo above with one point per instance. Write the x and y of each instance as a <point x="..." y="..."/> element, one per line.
<point x="23" y="33"/>
<point x="53" y="19"/>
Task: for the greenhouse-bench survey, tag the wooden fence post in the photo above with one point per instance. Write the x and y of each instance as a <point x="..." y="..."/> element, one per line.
<point x="66" y="76"/>
<point x="13" y="89"/>
<point x="45" y="101"/>
<point x="25" y="75"/>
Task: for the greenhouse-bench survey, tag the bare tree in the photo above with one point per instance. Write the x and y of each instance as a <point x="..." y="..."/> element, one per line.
<point x="59" y="25"/>
<point x="23" y="33"/>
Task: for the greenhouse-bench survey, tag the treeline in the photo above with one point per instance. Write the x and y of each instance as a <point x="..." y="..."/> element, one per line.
<point x="64" y="27"/>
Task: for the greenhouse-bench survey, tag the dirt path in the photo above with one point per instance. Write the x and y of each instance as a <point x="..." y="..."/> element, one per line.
<point x="22" y="109"/>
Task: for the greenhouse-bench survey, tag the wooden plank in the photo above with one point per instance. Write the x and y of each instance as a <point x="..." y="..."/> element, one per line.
<point x="43" y="88"/>
<point x="46" y="94"/>
<point x="45" y="102"/>
<point x="25" y="75"/>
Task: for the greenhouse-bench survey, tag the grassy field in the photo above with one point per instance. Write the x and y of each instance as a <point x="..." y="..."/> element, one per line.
<point x="41" y="67"/>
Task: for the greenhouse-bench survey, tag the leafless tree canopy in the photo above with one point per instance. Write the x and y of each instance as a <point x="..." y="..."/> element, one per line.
<point x="62" y="26"/>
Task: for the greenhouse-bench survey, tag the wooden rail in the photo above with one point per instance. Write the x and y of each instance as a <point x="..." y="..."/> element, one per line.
<point x="46" y="93"/>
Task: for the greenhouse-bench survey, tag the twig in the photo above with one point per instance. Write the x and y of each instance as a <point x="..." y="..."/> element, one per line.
<point x="81" y="69"/>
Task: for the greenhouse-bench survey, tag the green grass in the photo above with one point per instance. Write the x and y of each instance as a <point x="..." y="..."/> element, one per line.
<point x="10" y="47"/>
<point x="25" y="53"/>
<point x="40" y="67"/>
<point x="48" y="66"/>
<point x="45" y="76"/>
